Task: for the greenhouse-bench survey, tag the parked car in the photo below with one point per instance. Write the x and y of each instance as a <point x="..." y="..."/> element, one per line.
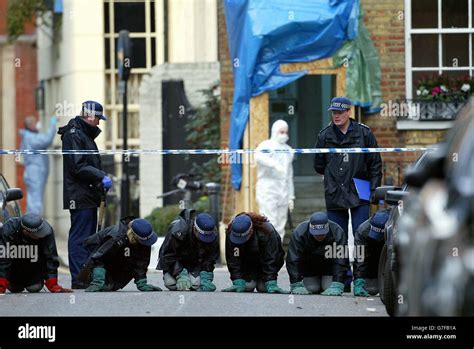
<point x="437" y="230"/>
<point x="388" y="271"/>
<point x="8" y="200"/>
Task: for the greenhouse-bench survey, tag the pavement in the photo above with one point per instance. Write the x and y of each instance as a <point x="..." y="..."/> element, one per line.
<point x="130" y="302"/>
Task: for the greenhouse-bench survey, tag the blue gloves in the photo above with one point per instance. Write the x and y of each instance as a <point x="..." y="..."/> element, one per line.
<point x="107" y="182"/>
<point x="206" y="281"/>
<point x="183" y="281"/>
<point x="272" y="287"/>
<point x="299" y="288"/>
<point x="359" y="288"/>
<point x="53" y="121"/>
<point x="238" y="285"/>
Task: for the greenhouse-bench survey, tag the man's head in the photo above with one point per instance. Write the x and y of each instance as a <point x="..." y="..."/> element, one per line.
<point x="280" y="131"/>
<point x="377" y="226"/>
<point x="319" y="225"/>
<point x="241" y="229"/>
<point x="34" y="227"/>
<point x="31" y="123"/>
<point x="205" y="228"/>
<point x="140" y="231"/>
<point x="340" y="111"/>
<point x="92" y="112"/>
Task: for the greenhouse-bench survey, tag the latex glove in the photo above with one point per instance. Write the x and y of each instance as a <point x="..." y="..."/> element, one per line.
<point x="53" y="121"/>
<point x="335" y="289"/>
<point x="144" y="287"/>
<point x="3" y="285"/>
<point x="107" y="182"/>
<point x="183" y="281"/>
<point x="53" y="287"/>
<point x="206" y="281"/>
<point x="299" y="288"/>
<point x="291" y="205"/>
<point x="359" y="288"/>
<point x="238" y="285"/>
<point x="272" y="287"/>
<point x="98" y="280"/>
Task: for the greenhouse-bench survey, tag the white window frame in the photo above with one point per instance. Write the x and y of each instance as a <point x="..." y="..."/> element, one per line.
<point x="409" y="69"/>
<point x="114" y="106"/>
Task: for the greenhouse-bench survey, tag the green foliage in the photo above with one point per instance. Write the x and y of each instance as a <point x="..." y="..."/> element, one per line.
<point x="161" y="217"/>
<point x="204" y="133"/>
<point x="202" y="205"/>
<point x="21" y="12"/>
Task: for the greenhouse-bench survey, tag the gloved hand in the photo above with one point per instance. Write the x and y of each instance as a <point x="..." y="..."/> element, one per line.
<point x="98" y="280"/>
<point x="272" y="287"/>
<point x="206" y="281"/>
<point x="107" y="182"/>
<point x="3" y="285"/>
<point x="291" y="205"/>
<point x="53" y="121"/>
<point x="359" y="288"/>
<point x="335" y="289"/>
<point x="53" y="287"/>
<point x="144" y="287"/>
<point x="183" y="281"/>
<point x="238" y="285"/>
<point x="299" y="288"/>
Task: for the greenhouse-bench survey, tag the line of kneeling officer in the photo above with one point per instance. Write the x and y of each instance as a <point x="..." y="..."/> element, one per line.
<point x="317" y="259"/>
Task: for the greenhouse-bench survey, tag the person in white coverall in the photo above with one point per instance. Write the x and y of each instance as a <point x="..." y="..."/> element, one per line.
<point x="36" y="165"/>
<point x="275" y="191"/>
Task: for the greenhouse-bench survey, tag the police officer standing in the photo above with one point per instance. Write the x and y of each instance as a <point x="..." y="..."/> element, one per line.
<point x="316" y="260"/>
<point x="189" y="253"/>
<point x="339" y="169"/>
<point x="83" y="183"/>
<point x="34" y="237"/>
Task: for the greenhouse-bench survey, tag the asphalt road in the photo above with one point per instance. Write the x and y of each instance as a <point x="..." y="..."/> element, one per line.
<point x="129" y="302"/>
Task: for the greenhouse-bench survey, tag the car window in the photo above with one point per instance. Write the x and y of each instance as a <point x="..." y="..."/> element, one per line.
<point x="12" y="209"/>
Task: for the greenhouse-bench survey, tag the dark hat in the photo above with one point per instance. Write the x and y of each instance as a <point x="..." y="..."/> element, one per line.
<point x="241" y="229"/>
<point x="35" y="225"/>
<point x="377" y="225"/>
<point x="206" y="227"/>
<point x="144" y="232"/>
<point x="318" y="224"/>
<point x="94" y="108"/>
<point x="340" y="103"/>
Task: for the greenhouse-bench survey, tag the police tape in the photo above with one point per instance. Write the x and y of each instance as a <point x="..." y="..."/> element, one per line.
<point x="210" y="151"/>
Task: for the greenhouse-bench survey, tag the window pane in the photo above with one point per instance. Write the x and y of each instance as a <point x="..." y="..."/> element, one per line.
<point x="153" y="52"/>
<point x="107" y="53"/>
<point x="424" y="13"/>
<point x="455" y="13"/>
<point x="152" y="16"/>
<point x="455" y="50"/>
<point x="106" y="17"/>
<point x="138" y="53"/>
<point x="425" y="50"/>
<point x="129" y="16"/>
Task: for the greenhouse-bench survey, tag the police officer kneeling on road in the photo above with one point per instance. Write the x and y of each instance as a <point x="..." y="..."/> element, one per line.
<point x="254" y="254"/>
<point x="189" y="253"/>
<point x="120" y="253"/>
<point x="316" y="259"/>
<point x="30" y="259"/>
<point x="369" y="239"/>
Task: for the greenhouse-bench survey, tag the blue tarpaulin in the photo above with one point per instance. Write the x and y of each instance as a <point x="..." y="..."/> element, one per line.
<point x="263" y="34"/>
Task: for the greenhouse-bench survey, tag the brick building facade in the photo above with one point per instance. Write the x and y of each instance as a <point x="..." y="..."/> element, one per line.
<point x="385" y="21"/>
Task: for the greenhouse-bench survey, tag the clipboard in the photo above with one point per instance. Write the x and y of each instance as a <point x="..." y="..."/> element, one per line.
<point x="363" y="188"/>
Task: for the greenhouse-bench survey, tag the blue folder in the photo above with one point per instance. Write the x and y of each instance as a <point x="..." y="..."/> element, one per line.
<point x="363" y="188"/>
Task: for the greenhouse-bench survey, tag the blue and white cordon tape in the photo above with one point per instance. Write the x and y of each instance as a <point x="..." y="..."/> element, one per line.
<point x="211" y="151"/>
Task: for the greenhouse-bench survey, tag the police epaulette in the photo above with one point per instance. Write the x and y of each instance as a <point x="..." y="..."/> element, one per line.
<point x="361" y="124"/>
<point x="325" y="127"/>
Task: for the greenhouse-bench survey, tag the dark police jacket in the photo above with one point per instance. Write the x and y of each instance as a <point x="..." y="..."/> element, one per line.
<point x="112" y="250"/>
<point x="47" y="254"/>
<point x="82" y="173"/>
<point x="368" y="266"/>
<point x="183" y="250"/>
<point x="340" y="169"/>
<point x="305" y="254"/>
<point x="261" y="257"/>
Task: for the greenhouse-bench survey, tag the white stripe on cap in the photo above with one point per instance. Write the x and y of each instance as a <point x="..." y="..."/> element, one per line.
<point x="241" y="235"/>
<point x="377" y="230"/>
<point x="32" y="230"/>
<point x="93" y="112"/>
<point x="319" y="226"/>
<point x="203" y="232"/>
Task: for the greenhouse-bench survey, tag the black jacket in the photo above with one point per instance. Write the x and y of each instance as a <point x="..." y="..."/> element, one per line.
<point x="112" y="251"/>
<point x="182" y="249"/>
<point x="366" y="267"/>
<point x="339" y="169"/>
<point x="47" y="263"/>
<point x="82" y="174"/>
<point x="306" y="256"/>
<point x="261" y="257"/>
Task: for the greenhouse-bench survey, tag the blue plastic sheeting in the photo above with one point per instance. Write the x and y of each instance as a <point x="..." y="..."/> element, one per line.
<point x="263" y="34"/>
